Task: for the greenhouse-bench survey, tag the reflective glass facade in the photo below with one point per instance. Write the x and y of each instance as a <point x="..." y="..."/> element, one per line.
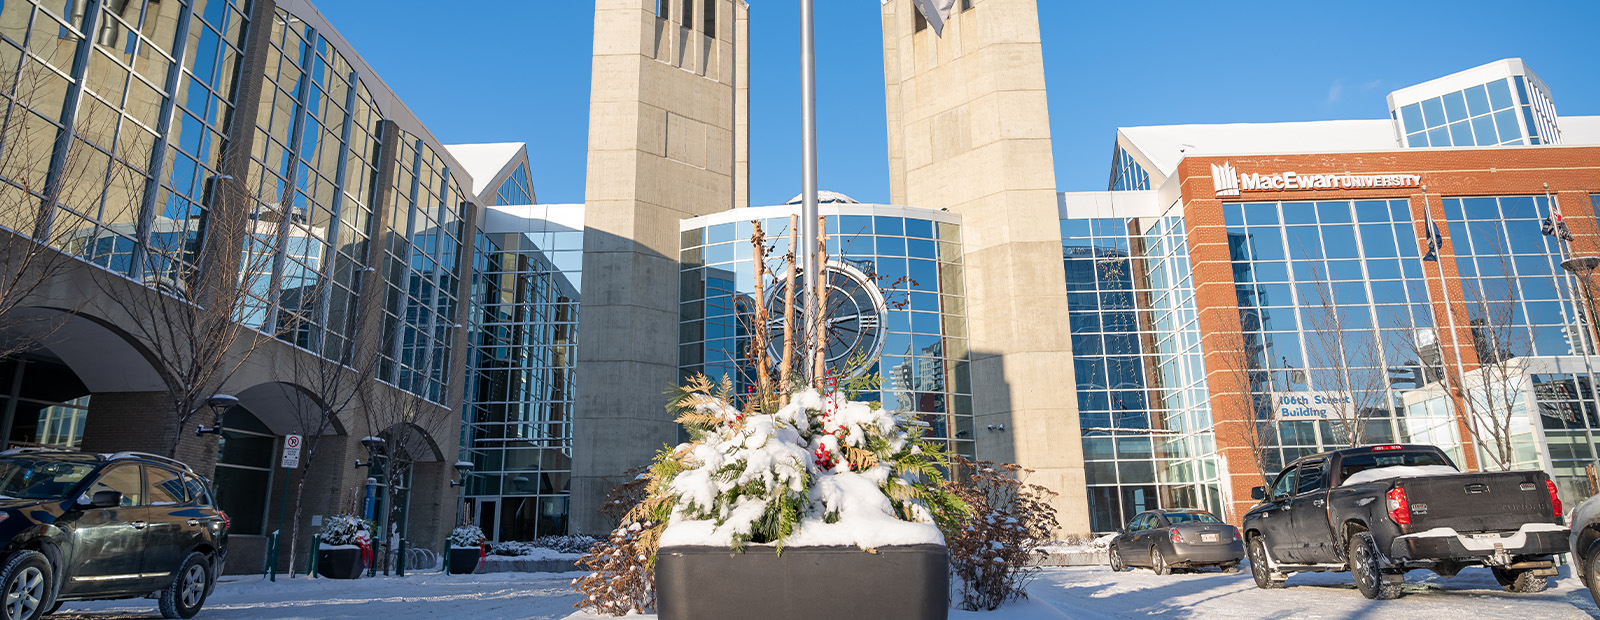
<point x="1331" y="294"/>
<point x="1142" y="403"/>
<point x="1511" y="110"/>
<point x="915" y="261"/>
<point x="517" y="189"/>
<point x="313" y="166"/>
<point x="517" y="427"/>
<point x="420" y="257"/>
<point x="1127" y="174"/>
<point x="1508" y="267"/>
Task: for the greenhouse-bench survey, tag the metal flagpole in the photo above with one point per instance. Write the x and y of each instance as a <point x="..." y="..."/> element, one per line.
<point x="809" y="305"/>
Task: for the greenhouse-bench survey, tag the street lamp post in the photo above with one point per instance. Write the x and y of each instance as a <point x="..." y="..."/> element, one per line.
<point x="219" y="404"/>
<point x="465" y="469"/>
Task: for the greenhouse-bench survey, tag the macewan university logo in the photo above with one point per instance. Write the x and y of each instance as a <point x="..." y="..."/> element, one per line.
<point x="1228" y="182"/>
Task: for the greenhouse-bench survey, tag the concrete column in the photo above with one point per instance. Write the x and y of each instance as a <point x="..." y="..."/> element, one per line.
<point x="661" y="148"/>
<point x="969" y="131"/>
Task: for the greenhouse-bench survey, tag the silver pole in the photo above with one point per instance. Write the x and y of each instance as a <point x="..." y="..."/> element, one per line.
<point x="808" y="159"/>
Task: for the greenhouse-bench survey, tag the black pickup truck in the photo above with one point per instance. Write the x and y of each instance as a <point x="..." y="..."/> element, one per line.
<point x="1379" y="511"/>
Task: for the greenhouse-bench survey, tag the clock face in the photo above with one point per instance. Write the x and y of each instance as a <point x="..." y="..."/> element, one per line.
<point x="854" y="316"/>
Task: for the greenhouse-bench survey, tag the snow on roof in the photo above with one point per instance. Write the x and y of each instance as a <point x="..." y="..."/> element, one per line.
<point x="1166" y="145"/>
<point x="485" y="161"/>
<point x="825" y="197"/>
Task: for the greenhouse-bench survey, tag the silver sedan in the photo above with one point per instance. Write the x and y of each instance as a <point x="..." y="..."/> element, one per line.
<point x="1183" y="538"/>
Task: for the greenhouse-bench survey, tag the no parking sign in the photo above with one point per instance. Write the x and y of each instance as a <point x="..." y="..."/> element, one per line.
<point x="291" y="452"/>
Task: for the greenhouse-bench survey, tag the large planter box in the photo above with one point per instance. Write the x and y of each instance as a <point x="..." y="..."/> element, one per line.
<point x="909" y="582"/>
<point x="464" y="560"/>
<point x="340" y="562"/>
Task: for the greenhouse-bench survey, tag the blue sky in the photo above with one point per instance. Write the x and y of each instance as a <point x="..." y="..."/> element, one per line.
<point x="518" y="71"/>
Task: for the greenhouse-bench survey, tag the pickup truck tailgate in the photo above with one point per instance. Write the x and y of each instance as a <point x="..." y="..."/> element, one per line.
<point x="1478" y="502"/>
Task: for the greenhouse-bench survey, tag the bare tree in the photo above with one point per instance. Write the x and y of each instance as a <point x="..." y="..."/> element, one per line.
<point x="407" y="424"/>
<point x="1483" y="382"/>
<point x="200" y="306"/>
<point x="330" y="381"/>
<point x="1346" y="365"/>
<point x="36" y="234"/>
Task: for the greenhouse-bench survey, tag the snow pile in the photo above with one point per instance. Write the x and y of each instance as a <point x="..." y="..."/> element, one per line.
<point x="817" y="472"/>
<point x="1397" y="471"/>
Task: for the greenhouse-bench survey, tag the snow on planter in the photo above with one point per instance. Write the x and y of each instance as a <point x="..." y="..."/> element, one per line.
<point x="821" y="471"/>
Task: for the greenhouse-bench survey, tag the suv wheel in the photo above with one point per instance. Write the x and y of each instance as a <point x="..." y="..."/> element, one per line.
<point x="1265" y="578"/>
<point x="1521" y="581"/>
<point x="1364" y="566"/>
<point x="26" y="581"/>
<point x="187" y="592"/>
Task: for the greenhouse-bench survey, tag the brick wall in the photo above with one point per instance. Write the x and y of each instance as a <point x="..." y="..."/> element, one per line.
<point x="1571" y="175"/>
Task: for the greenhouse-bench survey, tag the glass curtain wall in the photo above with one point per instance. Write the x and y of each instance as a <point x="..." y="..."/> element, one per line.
<point x="1141" y="386"/>
<point x="916" y="263"/>
<point x="1331" y="296"/>
<point x="516" y="189"/>
<point x="312" y="170"/>
<point x="126" y="138"/>
<point x="1511" y="110"/>
<point x="1126" y="173"/>
<point x="423" y="239"/>
<point x="518" y="414"/>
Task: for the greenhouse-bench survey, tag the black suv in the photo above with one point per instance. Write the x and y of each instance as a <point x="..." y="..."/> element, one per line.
<point x="83" y="527"/>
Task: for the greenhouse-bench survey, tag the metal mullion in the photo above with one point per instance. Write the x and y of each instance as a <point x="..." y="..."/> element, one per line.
<point x="147" y="211"/>
<point x="325" y="296"/>
<point x="290" y="181"/>
<point x="68" y="116"/>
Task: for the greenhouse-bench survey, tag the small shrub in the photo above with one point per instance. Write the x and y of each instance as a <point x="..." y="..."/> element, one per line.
<point x="622" y="577"/>
<point x="346" y="529"/>
<point x="990" y="551"/>
<point x="466" y="536"/>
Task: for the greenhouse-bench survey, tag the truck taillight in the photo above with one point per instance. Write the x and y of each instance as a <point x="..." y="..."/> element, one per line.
<point x="226" y="522"/>
<point x="1399" y="508"/>
<point x="1555" y="499"/>
<point x="1176" y="537"/>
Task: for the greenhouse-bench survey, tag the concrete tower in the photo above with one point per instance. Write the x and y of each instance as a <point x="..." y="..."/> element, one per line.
<point x="969" y="131"/>
<point x="667" y="126"/>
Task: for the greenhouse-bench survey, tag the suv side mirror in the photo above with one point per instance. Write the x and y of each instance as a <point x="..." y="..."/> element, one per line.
<point x="106" y="499"/>
<point x="1258" y="493"/>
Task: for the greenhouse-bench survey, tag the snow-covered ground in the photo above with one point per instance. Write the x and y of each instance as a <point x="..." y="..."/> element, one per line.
<point x="430" y="596"/>
<point x="1092" y="593"/>
<point x="1082" y="593"/>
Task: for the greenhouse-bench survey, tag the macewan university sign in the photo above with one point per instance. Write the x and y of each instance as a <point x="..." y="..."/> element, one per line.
<point x="1228" y="181"/>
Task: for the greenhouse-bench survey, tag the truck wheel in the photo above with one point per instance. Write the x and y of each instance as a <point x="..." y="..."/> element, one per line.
<point x="1591" y="563"/>
<point x="1364" y="566"/>
<point x="25" y="584"/>
<point x="1116" y="561"/>
<point x="183" y="597"/>
<point x="1159" y="563"/>
<point x="1522" y="581"/>
<point x="1265" y="578"/>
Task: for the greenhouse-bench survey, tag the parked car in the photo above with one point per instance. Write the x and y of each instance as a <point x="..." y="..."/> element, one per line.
<point x="1382" y="510"/>
<point x="84" y="527"/>
<point x="1184" y="538"/>
<point x="1586" y="544"/>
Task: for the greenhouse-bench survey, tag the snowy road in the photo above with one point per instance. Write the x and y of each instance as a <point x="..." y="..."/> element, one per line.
<point x="511" y="596"/>
<point x="1077" y="593"/>
<point x="1097" y="593"/>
